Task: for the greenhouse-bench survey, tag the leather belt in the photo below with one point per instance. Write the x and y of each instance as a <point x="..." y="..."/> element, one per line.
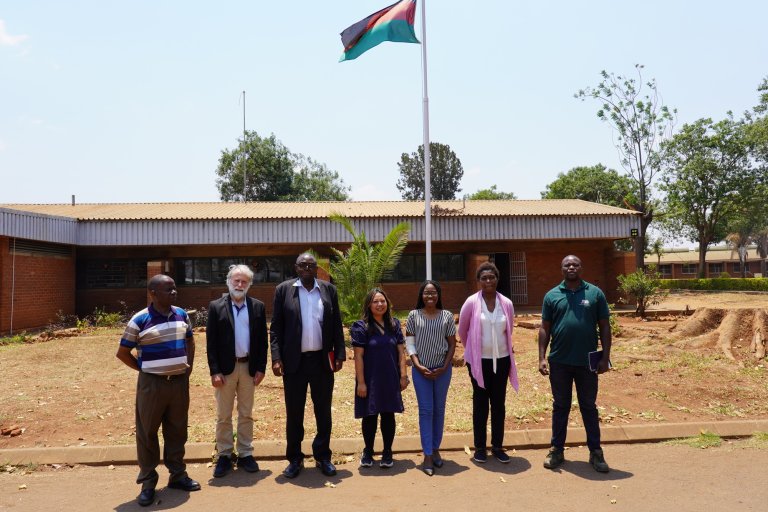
<point x="243" y="359"/>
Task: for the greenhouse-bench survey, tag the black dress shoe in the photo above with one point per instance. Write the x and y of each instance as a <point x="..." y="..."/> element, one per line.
<point x="146" y="497"/>
<point x="223" y="466"/>
<point x="185" y="484"/>
<point x="248" y="463"/>
<point x="326" y="467"/>
<point x="293" y="469"/>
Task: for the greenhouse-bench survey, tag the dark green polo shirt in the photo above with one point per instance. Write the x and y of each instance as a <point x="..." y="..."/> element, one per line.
<point x="573" y="316"/>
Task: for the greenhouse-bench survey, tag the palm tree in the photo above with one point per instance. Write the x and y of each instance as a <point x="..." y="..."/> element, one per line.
<point x="363" y="265"/>
<point x="657" y="248"/>
<point x="739" y="241"/>
<point x="761" y="239"/>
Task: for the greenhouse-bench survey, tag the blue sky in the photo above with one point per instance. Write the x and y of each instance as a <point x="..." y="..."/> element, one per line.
<point x="133" y="101"/>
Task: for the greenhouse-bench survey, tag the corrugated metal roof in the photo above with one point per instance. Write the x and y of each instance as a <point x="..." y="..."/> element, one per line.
<point x="320" y="210"/>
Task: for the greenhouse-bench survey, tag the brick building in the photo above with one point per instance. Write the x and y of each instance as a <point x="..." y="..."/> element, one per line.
<point x="75" y="258"/>
<point x="720" y="261"/>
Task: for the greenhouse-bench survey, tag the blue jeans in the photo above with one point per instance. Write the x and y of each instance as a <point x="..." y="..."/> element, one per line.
<point x="431" y="395"/>
<point x="562" y="377"/>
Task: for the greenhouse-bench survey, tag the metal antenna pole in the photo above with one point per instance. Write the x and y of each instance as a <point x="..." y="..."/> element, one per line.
<point x="245" y="174"/>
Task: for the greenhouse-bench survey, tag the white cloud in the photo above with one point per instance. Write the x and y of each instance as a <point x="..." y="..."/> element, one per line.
<point x="7" y="39"/>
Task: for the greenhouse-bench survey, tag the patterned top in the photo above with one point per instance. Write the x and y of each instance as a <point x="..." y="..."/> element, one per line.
<point x="431" y="334"/>
<point x="161" y="341"/>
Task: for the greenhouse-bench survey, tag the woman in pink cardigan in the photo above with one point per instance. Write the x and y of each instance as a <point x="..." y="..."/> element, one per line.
<point x="485" y="328"/>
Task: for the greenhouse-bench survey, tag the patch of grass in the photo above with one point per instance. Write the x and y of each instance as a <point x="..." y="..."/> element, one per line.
<point x="21" y="468"/>
<point x="650" y="415"/>
<point x="758" y="440"/>
<point x="725" y="409"/>
<point x="703" y="440"/>
<point x="16" y="339"/>
<point x="754" y="372"/>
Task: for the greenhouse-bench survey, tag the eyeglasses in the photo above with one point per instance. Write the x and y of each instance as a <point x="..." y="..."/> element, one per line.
<point x="306" y="266"/>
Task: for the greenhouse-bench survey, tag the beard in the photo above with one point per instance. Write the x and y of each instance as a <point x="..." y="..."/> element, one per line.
<point x="237" y="295"/>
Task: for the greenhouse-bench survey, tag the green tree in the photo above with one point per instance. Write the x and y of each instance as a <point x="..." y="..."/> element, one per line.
<point x="446" y="172"/>
<point x="757" y="135"/>
<point x="640" y="123"/>
<point x="363" y="265"/>
<point x="273" y="173"/>
<point x="707" y="174"/>
<point x="314" y="181"/>
<point x="595" y="183"/>
<point x="657" y="248"/>
<point x="644" y="287"/>
<point x="490" y="193"/>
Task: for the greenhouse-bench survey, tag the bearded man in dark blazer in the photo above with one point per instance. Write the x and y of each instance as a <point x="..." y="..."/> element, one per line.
<point x="307" y="343"/>
<point x="236" y="335"/>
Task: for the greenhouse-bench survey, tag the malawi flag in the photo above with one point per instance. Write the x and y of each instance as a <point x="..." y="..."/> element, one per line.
<point x="393" y="23"/>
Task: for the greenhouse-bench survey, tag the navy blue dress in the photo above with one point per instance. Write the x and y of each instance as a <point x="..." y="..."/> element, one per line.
<point x="381" y="370"/>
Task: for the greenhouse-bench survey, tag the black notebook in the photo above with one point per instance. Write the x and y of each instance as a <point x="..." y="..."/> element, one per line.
<point x="594" y="360"/>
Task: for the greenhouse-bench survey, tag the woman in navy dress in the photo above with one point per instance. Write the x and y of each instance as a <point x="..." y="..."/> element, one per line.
<point x="380" y="374"/>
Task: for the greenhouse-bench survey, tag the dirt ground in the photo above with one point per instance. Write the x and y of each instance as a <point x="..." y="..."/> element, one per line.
<point x="73" y="391"/>
<point x="644" y="477"/>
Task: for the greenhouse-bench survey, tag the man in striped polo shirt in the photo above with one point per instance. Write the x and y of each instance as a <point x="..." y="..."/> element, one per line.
<point x="165" y="350"/>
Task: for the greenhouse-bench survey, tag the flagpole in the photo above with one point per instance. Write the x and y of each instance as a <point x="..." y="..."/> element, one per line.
<point x="425" y="113"/>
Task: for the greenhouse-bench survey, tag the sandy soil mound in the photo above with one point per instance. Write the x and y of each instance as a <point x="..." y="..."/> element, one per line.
<point x="726" y="329"/>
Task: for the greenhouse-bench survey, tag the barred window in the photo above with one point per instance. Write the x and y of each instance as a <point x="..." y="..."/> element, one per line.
<point x="208" y="271"/>
<point x="118" y="273"/>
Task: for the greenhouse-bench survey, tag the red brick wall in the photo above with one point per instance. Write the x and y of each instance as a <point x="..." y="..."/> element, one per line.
<point x="542" y="261"/>
<point x="44" y="285"/>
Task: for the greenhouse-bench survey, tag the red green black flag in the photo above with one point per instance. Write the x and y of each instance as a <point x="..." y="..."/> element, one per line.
<point x="393" y="23"/>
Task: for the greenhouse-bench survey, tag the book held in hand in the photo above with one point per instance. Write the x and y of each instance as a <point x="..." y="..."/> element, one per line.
<point x="595" y="358"/>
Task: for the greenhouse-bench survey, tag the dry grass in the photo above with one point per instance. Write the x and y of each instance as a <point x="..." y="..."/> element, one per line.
<point x="74" y="391"/>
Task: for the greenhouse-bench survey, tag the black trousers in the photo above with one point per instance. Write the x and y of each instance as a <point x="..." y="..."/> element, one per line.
<point x="387" y="430"/>
<point x="494" y="395"/>
<point x="313" y="372"/>
<point x="562" y="377"/>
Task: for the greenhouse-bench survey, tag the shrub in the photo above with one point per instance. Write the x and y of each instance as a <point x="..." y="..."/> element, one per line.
<point x="642" y="286"/>
<point x="718" y="284"/>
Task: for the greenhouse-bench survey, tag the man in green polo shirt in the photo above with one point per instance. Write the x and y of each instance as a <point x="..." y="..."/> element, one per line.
<point x="572" y="315"/>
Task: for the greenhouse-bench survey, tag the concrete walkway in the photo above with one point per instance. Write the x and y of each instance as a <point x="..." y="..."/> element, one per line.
<point x="267" y="450"/>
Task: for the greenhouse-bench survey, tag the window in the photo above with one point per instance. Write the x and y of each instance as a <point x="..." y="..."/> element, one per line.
<point x="737" y="267"/>
<point x="412" y="268"/>
<point x="111" y="274"/>
<point x="665" y="270"/>
<point x="715" y="269"/>
<point x="208" y="271"/>
<point x="690" y="268"/>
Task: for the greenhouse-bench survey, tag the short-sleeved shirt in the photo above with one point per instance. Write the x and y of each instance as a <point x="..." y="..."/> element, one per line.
<point x="431" y="334"/>
<point x="160" y="340"/>
<point x="574" y="316"/>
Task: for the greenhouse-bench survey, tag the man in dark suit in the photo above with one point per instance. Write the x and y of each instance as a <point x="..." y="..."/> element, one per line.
<point x="307" y="342"/>
<point x="236" y="335"/>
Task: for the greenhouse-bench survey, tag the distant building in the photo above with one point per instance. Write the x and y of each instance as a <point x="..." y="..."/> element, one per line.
<point x="684" y="263"/>
<point x="75" y="258"/>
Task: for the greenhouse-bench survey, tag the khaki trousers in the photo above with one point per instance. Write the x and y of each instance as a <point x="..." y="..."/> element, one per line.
<point x="237" y="384"/>
<point x="161" y="401"/>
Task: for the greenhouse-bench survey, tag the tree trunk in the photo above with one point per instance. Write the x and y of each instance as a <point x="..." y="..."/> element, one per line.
<point x="702" y="259"/>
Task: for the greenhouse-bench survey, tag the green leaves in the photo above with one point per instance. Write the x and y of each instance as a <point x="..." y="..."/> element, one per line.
<point x="446" y="172"/>
<point x="363" y="265"/>
<point x="263" y="169"/>
<point x="594" y="183"/>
